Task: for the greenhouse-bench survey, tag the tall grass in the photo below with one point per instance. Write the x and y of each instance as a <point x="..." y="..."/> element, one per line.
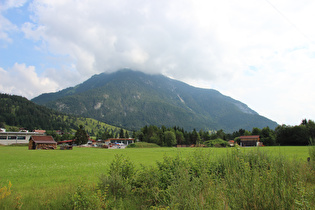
<point x="237" y="180"/>
<point x="185" y="178"/>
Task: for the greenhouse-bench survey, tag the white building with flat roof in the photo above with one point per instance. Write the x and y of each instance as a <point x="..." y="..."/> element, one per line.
<point x="7" y="138"/>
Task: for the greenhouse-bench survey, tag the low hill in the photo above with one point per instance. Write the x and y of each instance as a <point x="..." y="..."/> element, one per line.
<point x="20" y="112"/>
<point x="132" y="99"/>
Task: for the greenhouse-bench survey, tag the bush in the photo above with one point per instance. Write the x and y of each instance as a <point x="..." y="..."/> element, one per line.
<point x="237" y="180"/>
<point x="121" y="171"/>
<point x="133" y="145"/>
<point x="86" y="198"/>
<point x="217" y="143"/>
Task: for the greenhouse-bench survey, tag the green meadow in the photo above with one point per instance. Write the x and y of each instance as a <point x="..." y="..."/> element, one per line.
<point x="42" y="178"/>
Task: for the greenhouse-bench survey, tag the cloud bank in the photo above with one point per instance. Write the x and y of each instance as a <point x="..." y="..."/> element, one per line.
<point x="254" y="51"/>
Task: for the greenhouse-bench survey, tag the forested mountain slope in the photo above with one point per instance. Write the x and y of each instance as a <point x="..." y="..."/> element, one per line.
<point x="132" y="99"/>
<point x="20" y="112"/>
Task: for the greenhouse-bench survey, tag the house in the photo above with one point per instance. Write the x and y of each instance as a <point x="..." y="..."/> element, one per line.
<point x="249" y="141"/>
<point x="231" y="142"/>
<point x="42" y="142"/>
<point x="69" y="142"/>
<point x="8" y="138"/>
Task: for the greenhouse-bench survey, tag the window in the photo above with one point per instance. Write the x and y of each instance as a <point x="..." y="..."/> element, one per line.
<point x="11" y="137"/>
<point x="21" y="137"/>
<point x="3" y="137"/>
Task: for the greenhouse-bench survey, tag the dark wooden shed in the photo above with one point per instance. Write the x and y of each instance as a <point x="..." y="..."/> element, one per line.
<point x="249" y="141"/>
<point x="42" y="142"/>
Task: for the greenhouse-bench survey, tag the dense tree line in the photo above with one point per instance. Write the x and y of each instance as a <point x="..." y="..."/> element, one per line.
<point x="18" y="111"/>
<point x="282" y="135"/>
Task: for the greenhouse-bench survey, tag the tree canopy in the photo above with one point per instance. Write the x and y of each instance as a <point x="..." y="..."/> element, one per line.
<point x="81" y="137"/>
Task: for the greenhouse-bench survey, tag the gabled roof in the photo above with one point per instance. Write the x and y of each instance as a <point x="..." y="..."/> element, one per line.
<point x="43" y="139"/>
<point x="65" y="141"/>
<point x="249" y="137"/>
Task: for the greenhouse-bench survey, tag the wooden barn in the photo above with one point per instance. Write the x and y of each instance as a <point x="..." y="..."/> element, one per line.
<point x="42" y="142"/>
<point x="249" y="141"/>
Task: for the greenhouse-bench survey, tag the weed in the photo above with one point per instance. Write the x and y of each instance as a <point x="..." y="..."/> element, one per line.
<point x="5" y="191"/>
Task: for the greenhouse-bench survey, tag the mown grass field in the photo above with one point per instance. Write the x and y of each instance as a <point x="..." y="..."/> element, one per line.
<point x="45" y="175"/>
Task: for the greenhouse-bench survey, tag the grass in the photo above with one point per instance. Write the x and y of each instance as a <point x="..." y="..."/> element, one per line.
<point x="47" y="175"/>
<point x="143" y="145"/>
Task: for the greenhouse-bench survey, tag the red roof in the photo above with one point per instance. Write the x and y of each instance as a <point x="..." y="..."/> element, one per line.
<point x="43" y="139"/>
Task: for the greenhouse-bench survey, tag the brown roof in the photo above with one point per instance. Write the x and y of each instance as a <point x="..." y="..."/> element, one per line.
<point x="255" y="137"/>
<point x="43" y="139"/>
<point x="65" y="141"/>
<point x="249" y="137"/>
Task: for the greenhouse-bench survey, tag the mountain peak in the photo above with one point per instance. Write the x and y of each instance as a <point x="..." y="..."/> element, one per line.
<point x="133" y="99"/>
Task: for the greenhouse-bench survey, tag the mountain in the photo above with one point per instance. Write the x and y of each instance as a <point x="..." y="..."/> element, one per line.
<point x="20" y="112"/>
<point x="132" y="99"/>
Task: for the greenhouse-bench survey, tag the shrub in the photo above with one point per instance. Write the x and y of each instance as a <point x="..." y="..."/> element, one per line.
<point x="217" y="143"/>
<point x="133" y="145"/>
<point x="121" y="171"/>
<point x="237" y="180"/>
<point x="86" y="198"/>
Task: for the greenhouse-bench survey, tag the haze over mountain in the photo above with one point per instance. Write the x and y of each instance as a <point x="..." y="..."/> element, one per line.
<point x="133" y="99"/>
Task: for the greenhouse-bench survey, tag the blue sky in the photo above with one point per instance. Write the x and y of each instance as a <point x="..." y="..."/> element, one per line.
<point x="260" y="52"/>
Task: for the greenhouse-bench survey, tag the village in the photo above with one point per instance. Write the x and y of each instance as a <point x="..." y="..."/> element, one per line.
<point x="37" y="139"/>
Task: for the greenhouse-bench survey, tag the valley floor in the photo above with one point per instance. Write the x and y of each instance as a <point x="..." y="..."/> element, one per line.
<point x="42" y="178"/>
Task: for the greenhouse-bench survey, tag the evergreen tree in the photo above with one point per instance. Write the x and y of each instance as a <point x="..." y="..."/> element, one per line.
<point x="81" y="137"/>
<point x="127" y="135"/>
<point x="121" y="134"/>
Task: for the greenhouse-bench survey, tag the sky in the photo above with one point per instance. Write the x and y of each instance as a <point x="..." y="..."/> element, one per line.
<point x="260" y="52"/>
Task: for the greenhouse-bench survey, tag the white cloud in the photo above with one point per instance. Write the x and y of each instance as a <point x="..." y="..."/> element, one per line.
<point x="5" y="25"/>
<point x="23" y="80"/>
<point x="260" y="52"/>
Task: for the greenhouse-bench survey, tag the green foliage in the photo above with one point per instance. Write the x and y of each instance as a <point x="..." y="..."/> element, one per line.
<point x="81" y="137"/>
<point x="85" y="198"/>
<point x="295" y="135"/>
<point x="17" y="112"/>
<point x="237" y="180"/>
<point x="121" y="171"/>
<point x="143" y="145"/>
<point x="217" y="143"/>
<point x="132" y="100"/>
<point x="170" y="138"/>
<point x="43" y="179"/>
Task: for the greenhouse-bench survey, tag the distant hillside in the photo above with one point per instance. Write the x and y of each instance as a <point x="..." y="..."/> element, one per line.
<point x="132" y="99"/>
<point x="20" y="112"/>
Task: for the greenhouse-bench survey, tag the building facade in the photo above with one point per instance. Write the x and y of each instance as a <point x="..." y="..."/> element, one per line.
<point x="249" y="141"/>
<point x="8" y="138"/>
